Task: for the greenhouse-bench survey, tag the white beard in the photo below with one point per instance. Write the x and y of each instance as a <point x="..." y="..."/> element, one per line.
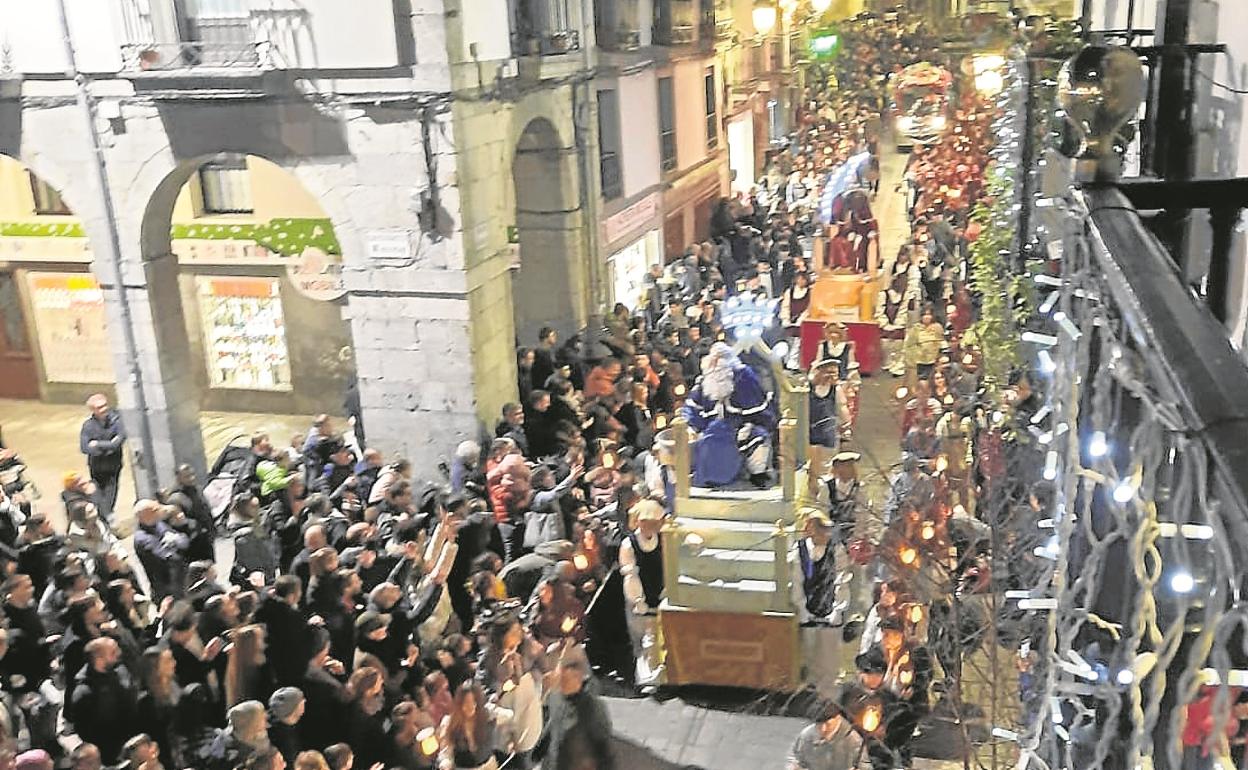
<point x="718" y="384"/>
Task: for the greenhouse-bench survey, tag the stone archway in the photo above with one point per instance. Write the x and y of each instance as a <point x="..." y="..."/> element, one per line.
<point x="549" y="233"/>
<point x="247" y="307"/>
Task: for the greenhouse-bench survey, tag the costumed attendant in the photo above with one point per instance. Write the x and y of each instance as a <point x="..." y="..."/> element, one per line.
<point x="794" y="304"/>
<point x="843" y="487"/>
<point x="641" y="564"/>
<point x="733" y="418"/>
<point x="827" y="414"/>
<point x="922" y="345"/>
<point x="818" y="594"/>
<point x="836" y="346"/>
<point x="892" y="313"/>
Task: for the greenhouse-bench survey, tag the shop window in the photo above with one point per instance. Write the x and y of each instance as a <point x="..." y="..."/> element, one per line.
<point x="71" y="327"/>
<point x="712" y="111"/>
<point x="244" y="333"/>
<point x="667" y="124"/>
<point x="226" y="186"/>
<point x="609" y="144"/>
<point x="47" y="200"/>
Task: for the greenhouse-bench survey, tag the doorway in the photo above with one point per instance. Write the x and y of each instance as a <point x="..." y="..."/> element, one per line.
<point x="19" y="376"/>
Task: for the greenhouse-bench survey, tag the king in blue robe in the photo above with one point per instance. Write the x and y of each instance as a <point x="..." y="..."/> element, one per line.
<point x="734" y="418"/>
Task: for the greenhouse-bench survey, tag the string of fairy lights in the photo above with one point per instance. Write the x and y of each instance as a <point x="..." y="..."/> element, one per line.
<point x="1145" y="575"/>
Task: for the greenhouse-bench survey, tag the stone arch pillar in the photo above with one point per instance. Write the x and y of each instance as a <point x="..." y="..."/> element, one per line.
<point x="155" y="391"/>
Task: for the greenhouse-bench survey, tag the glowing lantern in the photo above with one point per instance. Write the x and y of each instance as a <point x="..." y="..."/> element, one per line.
<point x="902" y="392"/>
<point x="908" y="555"/>
<point x="916" y="616"/>
<point x="568" y="624"/>
<point x="928" y="532"/>
<point x="428" y="739"/>
<point x="581" y="562"/>
<point x="942" y="464"/>
<point x="871" y="718"/>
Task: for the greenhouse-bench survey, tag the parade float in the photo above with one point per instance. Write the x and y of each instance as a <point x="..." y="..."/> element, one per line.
<point x="728" y="618"/>
<point x="920" y="104"/>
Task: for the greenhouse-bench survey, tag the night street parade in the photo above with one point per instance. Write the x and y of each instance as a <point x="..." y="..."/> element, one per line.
<point x="623" y="385"/>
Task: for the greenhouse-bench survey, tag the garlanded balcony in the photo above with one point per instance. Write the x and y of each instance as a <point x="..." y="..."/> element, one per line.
<point x="1149" y="413"/>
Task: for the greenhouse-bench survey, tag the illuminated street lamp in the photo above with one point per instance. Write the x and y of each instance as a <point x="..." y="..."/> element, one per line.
<point x="764" y="17"/>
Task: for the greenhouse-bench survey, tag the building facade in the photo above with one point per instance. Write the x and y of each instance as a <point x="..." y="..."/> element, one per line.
<point x="290" y="207"/>
<point x="389" y="151"/>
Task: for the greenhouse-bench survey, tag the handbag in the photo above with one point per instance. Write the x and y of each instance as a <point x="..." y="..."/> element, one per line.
<point x="542" y="527"/>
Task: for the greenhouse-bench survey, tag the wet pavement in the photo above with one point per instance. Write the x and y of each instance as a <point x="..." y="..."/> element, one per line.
<point x="46" y="438"/>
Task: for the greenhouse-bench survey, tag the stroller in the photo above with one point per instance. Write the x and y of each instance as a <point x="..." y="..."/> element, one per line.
<point x="13" y="480"/>
<point x="223" y="478"/>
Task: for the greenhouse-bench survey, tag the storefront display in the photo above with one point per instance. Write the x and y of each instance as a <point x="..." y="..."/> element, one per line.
<point x="244" y="333"/>
<point x="629" y="266"/>
<point x="71" y="328"/>
<point x="741" y="152"/>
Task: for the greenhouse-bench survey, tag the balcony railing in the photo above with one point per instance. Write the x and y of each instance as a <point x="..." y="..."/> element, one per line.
<point x="617" y="24"/>
<point x="676" y="22"/>
<point x="544" y="28"/>
<point x="706" y="24"/>
<point x="1150" y="464"/>
<point x="237" y="34"/>
<point x="612" y="178"/>
<point x="1153" y="397"/>
<point x="667" y="149"/>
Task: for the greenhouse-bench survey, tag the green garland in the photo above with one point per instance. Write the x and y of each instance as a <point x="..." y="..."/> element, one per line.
<point x="286" y="236"/>
<point x="1003" y="302"/>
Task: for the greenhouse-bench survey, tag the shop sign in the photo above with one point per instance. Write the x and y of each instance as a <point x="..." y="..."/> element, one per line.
<point x="40" y="249"/>
<point x="631" y="218"/>
<point x="70" y="327"/>
<point x="223" y="252"/>
<point x="317" y="275"/>
<point x="388" y="245"/>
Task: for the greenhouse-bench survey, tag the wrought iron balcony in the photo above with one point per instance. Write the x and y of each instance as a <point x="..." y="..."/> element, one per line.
<point x="233" y="35"/>
<point x="676" y="22"/>
<point x="617" y="25"/>
<point x="544" y="28"/>
<point x="154" y="57"/>
<point x="612" y="176"/>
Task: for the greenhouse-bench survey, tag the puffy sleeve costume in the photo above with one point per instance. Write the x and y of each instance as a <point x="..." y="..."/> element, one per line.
<point x="733" y="423"/>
